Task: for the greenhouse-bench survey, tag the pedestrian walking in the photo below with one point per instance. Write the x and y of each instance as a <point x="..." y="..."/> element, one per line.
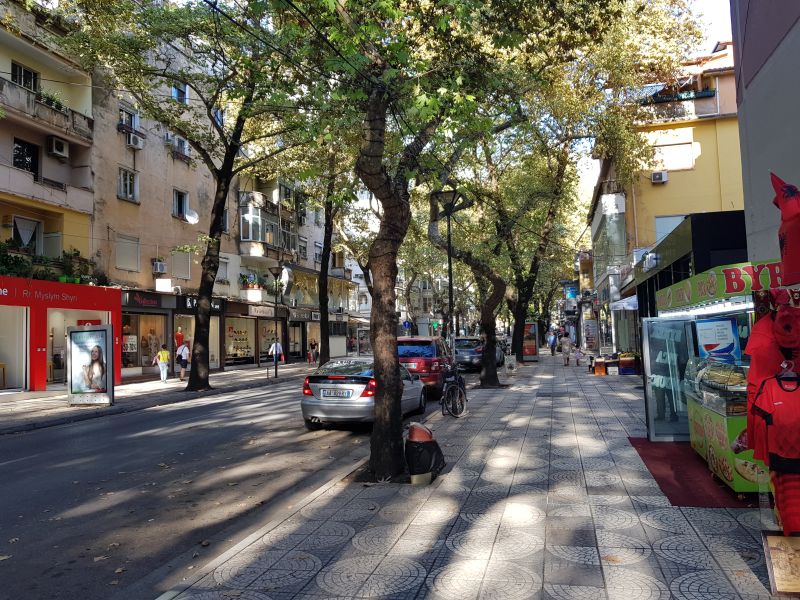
<point x="276" y="352"/>
<point x="162" y="360"/>
<point x="182" y="356"/>
<point x="551" y="341"/>
<point x="313" y="347"/>
<point x="566" y="348"/>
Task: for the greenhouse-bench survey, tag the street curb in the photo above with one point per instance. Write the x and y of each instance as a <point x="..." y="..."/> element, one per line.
<point x="118" y="410"/>
<point x="208" y="568"/>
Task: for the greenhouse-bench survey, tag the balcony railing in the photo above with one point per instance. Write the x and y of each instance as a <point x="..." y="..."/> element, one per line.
<point x="342" y="272"/>
<point x="18" y="99"/>
<point x="22" y="183"/>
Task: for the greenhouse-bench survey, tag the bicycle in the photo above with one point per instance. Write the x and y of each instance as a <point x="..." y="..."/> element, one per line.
<point x="454" y="395"/>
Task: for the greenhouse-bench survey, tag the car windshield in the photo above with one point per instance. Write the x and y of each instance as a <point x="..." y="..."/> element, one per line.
<point x="415" y="349"/>
<point x="466" y="344"/>
<point x="346" y="367"/>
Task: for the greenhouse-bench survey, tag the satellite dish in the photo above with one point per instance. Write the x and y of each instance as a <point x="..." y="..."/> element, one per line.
<point x="191" y="217"/>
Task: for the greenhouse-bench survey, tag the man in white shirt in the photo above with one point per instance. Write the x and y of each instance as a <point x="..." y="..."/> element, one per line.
<point x="182" y="357"/>
<point x="276" y="351"/>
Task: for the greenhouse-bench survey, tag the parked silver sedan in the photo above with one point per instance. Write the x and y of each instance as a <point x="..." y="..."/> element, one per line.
<point x="343" y="390"/>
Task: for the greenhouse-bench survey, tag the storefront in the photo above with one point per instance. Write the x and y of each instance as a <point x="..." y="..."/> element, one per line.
<point x="241" y="345"/>
<point x="35" y="315"/>
<point x="337" y="333"/>
<point x="271" y="326"/>
<point x="706" y="370"/>
<point x="299" y="320"/>
<point x="183" y="327"/>
<point x="146" y="325"/>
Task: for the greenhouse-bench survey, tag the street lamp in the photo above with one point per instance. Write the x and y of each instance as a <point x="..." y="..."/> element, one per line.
<point x="276" y="272"/>
<point x="448" y="198"/>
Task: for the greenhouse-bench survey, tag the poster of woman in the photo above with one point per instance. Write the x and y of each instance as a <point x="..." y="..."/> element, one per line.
<point x="90" y="368"/>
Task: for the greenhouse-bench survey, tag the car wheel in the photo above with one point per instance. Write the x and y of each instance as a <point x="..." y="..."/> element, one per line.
<point x="312" y="425"/>
<point x="422" y="400"/>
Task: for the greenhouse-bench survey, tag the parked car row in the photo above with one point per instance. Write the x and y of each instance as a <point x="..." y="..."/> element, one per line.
<point x="469" y="353"/>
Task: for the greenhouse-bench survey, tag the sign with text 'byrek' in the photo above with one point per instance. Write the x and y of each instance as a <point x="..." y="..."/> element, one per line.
<point x="719" y="283"/>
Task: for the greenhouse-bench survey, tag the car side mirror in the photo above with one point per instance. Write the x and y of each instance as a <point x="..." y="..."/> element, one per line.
<point x="414" y="377"/>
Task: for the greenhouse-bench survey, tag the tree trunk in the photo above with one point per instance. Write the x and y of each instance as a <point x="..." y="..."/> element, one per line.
<point x="198" y="376"/>
<point x="322" y="282"/>
<point x="490" y="302"/>
<point x="386" y="443"/>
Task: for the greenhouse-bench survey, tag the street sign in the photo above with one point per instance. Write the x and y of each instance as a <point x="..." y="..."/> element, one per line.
<point x="406" y="324"/>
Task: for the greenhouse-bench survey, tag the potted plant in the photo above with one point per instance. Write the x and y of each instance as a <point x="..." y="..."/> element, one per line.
<point x="243" y="280"/>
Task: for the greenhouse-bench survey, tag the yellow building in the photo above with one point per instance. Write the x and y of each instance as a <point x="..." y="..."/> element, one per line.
<point x="694" y="133"/>
<point x="46" y="137"/>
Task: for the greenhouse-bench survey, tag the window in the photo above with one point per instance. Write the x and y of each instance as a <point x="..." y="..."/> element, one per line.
<point x="180" y="93"/>
<point x="25" y="77"/>
<point x="128" y="185"/>
<point x="181" y="146"/>
<point x="222" y="271"/>
<point x="362" y="299"/>
<point x="127" y="253"/>
<point x="26" y="157"/>
<point x="128" y="117"/>
<point x="28" y="234"/>
<point x="338" y="260"/>
<point x="665" y="225"/>
<point x="180" y="202"/>
<point x="317" y="252"/>
<point x="182" y="265"/>
<point x="219" y="116"/>
<point x="225" y="224"/>
<point x="300" y="203"/>
<point x="302" y="248"/>
<point x="284" y="193"/>
<point x="427" y="304"/>
<point x="674" y="157"/>
<point x="318" y="217"/>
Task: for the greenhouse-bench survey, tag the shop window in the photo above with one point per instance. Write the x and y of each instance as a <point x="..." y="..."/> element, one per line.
<point x="180" y="203"/>
<point x="127" y="253"/>
<point x="27" y="78"/>
<point x="128" y="186"/>
<point x="182" y="265"/>
<point x="27" y="234"/>
<point x="222" y="271"/>
<point x="26" y="157"/>
<point x="180" y="93"/>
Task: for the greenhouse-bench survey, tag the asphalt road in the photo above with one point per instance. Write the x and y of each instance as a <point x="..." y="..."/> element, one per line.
<point x="125" y="506"/>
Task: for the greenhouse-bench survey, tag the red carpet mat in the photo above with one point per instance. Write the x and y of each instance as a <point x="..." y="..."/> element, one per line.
<point x="685" y="478"/>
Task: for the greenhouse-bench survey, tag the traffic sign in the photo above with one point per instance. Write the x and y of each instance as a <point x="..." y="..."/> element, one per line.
<point x="406" y="324"/>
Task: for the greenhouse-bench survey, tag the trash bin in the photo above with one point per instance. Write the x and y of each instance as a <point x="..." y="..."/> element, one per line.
<point x="424" y="457"/>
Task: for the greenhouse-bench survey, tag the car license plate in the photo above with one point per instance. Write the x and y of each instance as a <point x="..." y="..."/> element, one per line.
<point x="329" y="393"/>
<point x="410" y="365"/>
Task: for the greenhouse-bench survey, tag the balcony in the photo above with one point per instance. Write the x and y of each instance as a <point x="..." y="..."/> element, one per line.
<point x="22" y="183"/>
<point x="260" y="295"/>
<point x="342" y="273"/>
<point x="21" y="103"/>
<point x="681" y="106"/>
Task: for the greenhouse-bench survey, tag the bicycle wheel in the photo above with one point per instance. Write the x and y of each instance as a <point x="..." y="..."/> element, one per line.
<point x="456" y="401"/>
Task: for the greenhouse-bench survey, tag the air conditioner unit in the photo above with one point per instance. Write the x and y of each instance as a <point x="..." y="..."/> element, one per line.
<point x="659" y="177"/>
<point x="57" y="147"/>
<point x="159" y="267"/>
<point x="135" y="142"/>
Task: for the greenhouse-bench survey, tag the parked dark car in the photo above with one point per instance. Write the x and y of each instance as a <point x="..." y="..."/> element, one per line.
<point x="428" y="357"/>
<point x="469" y="353"/>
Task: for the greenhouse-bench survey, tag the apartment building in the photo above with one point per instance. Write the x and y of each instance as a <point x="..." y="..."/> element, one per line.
<point x="693" y="130"/>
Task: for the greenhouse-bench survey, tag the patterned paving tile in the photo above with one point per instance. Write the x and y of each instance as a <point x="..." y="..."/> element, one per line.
<point x="703" y="585"/>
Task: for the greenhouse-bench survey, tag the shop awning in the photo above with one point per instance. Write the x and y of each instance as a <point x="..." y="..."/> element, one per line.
<point x="629" y="303"/>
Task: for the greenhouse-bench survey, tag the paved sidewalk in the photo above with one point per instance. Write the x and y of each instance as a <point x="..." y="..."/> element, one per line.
<point x="27" y="411"/>
<point x="544" y="498"/>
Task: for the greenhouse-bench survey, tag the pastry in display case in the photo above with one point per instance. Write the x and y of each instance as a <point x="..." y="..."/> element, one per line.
<point x="724" y="387"/>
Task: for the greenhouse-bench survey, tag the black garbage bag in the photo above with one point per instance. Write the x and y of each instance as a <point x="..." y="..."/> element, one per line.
<point x="424" y="457"/>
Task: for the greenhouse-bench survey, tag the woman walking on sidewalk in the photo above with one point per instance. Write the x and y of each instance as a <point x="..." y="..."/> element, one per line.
<point x="566" y="348"/>
<point x="182" y="355"/>
<point x="162" y="359"/>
